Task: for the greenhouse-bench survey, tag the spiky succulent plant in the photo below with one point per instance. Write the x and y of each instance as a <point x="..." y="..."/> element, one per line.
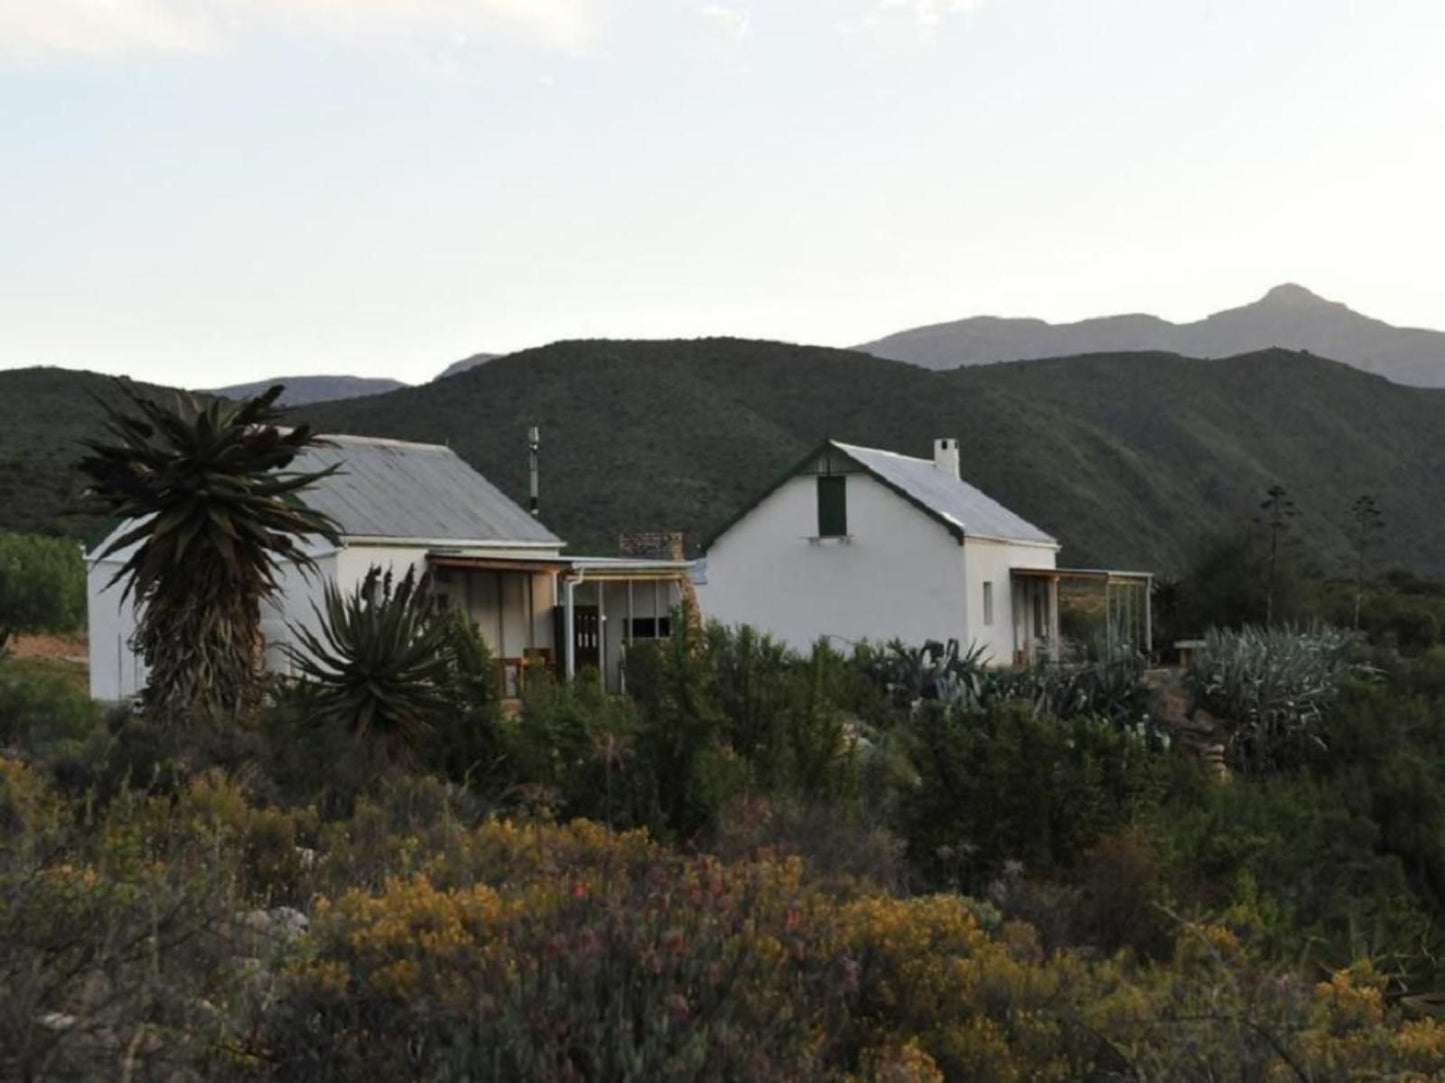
<point x="380" y="660"/>
<point x="214" y="515"/>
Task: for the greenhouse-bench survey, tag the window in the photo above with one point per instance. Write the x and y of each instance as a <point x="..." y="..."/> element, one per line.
<point x="651" y="628"/>
<point x="988" y="603"/>
<point x="832" y="506"/>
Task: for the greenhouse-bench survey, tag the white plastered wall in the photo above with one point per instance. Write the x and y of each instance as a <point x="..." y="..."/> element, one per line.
<point x="988" y="561"/>
<point x="117" y="674"/>
<point x="899" y="574"/>
<point x="302" y="594"/>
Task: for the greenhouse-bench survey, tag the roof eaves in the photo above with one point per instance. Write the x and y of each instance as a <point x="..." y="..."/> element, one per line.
<point x="1048" y="541"/>
<point x="449" y="543"/>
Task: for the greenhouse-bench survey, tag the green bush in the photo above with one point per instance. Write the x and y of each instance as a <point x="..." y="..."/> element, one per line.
<point x="42" y="585"/>
<point x="43" y="708"/>
<point x="739" y="713"/>
<point x="1307" y="861"/>
<point x="1006" y="785"/>
<point x="572" y="750"/>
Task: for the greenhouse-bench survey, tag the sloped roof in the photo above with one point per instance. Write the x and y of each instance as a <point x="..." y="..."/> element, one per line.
<point x="955" y="503"/>
<point x="392" y="489"/>
<point x="960" y="507"/>
<point x="396" y="490"/>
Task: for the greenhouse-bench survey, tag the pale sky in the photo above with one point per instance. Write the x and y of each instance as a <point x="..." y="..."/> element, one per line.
<point x="198" y="192"/>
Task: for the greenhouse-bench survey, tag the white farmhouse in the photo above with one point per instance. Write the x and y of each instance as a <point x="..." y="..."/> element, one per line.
<point x="403" y="505"/>
<point x="857" y="543"/>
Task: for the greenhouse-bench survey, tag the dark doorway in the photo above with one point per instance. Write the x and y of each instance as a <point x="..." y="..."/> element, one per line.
<point x="586" y="637"/>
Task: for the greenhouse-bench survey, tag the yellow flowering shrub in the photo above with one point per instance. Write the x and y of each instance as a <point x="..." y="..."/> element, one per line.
<point x="29" y="812"/>
<point x="572" y="927"/>
<point x="440" y="949"/>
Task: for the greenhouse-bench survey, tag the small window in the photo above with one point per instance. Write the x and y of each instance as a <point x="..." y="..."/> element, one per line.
<point x="988" y="603"/>
<point x="650" y="628"/>
<point x="832" y="506"/>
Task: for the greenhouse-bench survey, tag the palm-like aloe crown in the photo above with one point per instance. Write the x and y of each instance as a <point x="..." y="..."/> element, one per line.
<point x="206" y="479"/>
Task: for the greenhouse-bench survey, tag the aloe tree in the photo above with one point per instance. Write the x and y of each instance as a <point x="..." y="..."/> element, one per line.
<point x="214" y="517"/>
<point x="1366" y="524"/>
<point x="380" y="662"/>
<point x="1278" y="511"/>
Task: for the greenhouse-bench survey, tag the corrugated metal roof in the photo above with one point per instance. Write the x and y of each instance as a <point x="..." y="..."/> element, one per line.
<point x="956" y="503"/>
<point x="392" y="489"/>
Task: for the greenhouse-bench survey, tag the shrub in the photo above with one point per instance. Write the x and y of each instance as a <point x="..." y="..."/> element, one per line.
<point x="1306" y="859"/>
<point x="737" y="713"/>
<point x="618" y="968"/>
<point x="42" y="585"/>
<point x="439" y="949"/>
<point x="844" y="848"/>
<point x="1006" y="784"/>
<point x="573" y="750"/>
<point x="43" y="710"/>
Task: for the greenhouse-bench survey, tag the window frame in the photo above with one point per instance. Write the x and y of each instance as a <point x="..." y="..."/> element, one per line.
<point x="832" y="505"/>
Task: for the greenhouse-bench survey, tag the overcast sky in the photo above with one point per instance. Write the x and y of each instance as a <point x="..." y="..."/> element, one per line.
<point x="203" y="191"/>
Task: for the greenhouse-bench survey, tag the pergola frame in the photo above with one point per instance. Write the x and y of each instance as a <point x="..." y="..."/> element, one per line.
<point x="1131" y="607"/>
<point x="568" y="575"/>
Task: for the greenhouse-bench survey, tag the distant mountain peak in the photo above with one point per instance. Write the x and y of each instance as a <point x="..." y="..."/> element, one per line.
<point x="1288" y="316"/>
<point x="1291" y="293"/>
<point x="304" y="390"/>
<point x="467" y="363"/>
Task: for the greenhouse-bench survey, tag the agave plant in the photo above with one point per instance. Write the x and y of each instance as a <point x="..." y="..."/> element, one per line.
<point x="381" y="661"/>
<point x="1111" y="688"/>
<point x="1270" y="687"/>
<point x="933" y="671"/>
<point x="215" y="514"/>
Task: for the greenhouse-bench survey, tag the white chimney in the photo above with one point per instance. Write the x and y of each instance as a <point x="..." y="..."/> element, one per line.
<point x="945" y="456"/>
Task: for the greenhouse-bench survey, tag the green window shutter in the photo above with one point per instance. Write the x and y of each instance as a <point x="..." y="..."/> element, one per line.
<point x="832" y="506"/>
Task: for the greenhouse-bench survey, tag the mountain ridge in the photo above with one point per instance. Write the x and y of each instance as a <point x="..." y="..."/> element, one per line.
<point x="302" y="390"/>
<point x="1129" y="459"/>
<point x="1288" y="316"/>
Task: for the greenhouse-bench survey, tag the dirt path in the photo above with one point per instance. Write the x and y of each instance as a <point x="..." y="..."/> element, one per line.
<point x="63" y="648"/>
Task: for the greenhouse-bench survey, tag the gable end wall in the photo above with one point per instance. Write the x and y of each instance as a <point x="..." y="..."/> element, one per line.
<point x="899" y="574"/>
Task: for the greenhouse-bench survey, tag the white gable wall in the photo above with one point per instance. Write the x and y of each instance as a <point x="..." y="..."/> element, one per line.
<point x="899" y="574"/>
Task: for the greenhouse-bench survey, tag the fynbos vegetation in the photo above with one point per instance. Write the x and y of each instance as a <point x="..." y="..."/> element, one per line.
<point x="893" y="864"/>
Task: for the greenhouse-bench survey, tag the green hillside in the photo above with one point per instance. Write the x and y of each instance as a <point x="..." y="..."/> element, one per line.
<point x="43" y="413"/>
<point x="1126" y="458"/>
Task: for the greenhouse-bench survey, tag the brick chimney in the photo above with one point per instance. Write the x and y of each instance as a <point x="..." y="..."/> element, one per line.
<point x="652" y="545"/>
<point x="945" y="456"/>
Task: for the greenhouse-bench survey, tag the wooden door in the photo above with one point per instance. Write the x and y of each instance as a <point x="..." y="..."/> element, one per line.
<point x="586" y="637"/>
